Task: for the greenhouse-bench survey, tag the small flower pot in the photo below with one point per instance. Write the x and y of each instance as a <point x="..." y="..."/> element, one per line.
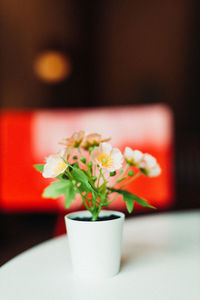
<point x="95" y="246"/>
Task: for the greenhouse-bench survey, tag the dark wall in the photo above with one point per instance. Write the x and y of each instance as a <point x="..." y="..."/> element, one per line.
<point x="122" y="52"/>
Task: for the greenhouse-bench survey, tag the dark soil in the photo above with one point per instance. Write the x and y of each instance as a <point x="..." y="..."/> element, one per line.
<point x="104" y="218"/>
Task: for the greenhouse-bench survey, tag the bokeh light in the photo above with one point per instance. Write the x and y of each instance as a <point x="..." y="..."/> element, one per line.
<point x="52" y="66"/>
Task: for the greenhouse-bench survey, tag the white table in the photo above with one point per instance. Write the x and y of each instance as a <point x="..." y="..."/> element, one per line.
<point x="161" y="260"/>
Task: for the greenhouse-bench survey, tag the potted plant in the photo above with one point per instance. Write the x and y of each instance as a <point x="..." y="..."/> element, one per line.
<point x="88" y="165"/>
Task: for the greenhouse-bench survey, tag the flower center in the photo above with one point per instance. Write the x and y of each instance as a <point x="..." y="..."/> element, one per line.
<point x="105" y="160"/>
<point x="61" y="165"/>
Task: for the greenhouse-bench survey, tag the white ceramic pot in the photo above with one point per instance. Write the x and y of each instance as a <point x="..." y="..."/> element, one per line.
<point x="95" y="247"/>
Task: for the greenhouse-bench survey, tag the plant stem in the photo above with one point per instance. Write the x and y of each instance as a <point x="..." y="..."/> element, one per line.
<point x="79" y="150"/>
<point x="96" y="214"/>
<point x="103" y="176"/>
<point x="95" y="168"/>
<point x="121" y="175"/>
<point x="84" y="201"/>
<point x="133" y="178"/>
<point x="113" y="198"/>
<point x="126" y="167"/>
<point x="100" y="174"/>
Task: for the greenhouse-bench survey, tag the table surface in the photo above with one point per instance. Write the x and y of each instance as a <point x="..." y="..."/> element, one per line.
<point x="160" y="260"/>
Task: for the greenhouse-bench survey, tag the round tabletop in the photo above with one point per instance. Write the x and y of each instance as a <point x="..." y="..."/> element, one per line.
<point x="160" y="260"/>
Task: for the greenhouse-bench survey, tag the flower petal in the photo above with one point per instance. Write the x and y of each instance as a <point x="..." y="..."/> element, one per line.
<point x="117" y="159"/>
<point x="154" y="171"/>
<point x="95" y="153"/>
<point x="128" y="153"/>
<point x="133" y="157"/>
<point x="106" y="147"/>
<point x="149" y="161"/>
<point x="54" y="166"/>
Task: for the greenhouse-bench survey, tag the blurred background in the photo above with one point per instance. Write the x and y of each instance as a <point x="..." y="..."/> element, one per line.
<point x="85" y="54"/>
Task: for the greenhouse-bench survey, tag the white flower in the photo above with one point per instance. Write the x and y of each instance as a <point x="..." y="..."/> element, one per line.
<point x="150" y="165"/>
<point x="55" y="165"/>
<point x="132" y="157"/>
<point x="107" y="157"/>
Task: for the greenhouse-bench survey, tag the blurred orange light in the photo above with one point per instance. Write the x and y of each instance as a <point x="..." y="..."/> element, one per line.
<point x="52" y="66"/>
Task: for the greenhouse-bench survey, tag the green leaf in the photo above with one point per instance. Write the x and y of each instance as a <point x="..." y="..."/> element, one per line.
<point x="55" y="189"/>
<point x="82" y="178"/>
<point x="127" y="196"/>
<point x="103" y="191"/>
<point x="75" y="164"/>
<point x="129" y="204"/>
<point x="39" y="168"/>
<point x="69" y="193"/>
<point x="142" y="202"/>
